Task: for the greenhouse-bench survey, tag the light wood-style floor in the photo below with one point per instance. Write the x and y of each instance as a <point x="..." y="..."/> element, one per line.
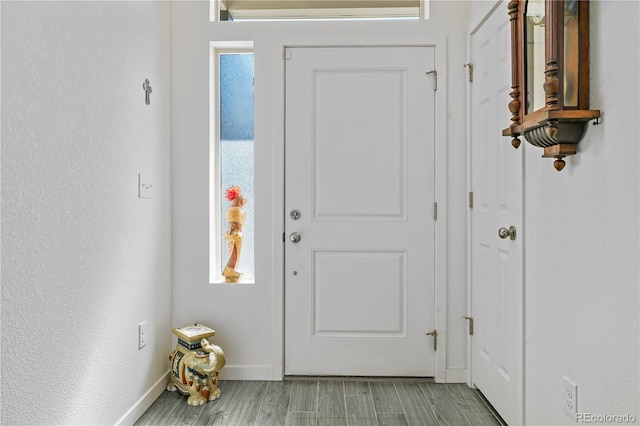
<point x="323" y="402"/>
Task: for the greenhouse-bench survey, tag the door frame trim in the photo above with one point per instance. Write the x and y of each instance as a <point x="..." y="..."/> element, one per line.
<point x="440" y="225"/>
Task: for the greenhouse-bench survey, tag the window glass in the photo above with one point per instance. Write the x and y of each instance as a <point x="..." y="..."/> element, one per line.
<point x="243" y="10"/>
<point x="236" y="163"/>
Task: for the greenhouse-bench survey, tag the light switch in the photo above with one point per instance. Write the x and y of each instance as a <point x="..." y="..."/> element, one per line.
<point x="145" y="187"/>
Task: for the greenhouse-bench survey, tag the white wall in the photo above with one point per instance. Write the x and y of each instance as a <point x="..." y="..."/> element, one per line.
<point x="83" y="259"/>
<point x="248" y="318"/>
<point x="581" y="246"/>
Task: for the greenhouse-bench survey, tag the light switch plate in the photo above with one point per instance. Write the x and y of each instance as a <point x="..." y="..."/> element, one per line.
<point x="145" y="187"/>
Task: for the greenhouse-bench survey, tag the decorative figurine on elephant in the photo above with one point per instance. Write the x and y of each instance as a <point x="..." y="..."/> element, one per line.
<point x="195" y="365"/>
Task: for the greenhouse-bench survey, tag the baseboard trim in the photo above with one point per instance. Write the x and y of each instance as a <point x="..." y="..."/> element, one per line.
<point x="145" y="402"/>
<point x="401" y="379"/>
<point x="456" y="375"/>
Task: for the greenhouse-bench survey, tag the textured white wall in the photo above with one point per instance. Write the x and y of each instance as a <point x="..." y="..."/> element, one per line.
<point x="247" y="316"/>
<point x="83" y="259"/>
<point x="582" y="234"/>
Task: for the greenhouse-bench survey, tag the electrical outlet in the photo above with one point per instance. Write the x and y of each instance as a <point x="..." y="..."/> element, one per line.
<point x="142" y="335"/>
<point x="570" y="395"/>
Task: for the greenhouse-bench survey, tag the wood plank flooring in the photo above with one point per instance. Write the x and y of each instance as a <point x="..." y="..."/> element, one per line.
<point x="323" y="402"/>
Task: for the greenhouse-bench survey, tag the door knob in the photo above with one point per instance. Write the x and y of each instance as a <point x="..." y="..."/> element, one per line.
<point x="504" y="232"/>
<point x="294" y="237"/>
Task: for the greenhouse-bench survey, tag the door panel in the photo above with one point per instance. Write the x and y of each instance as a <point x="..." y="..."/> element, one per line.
<point x="339" y="96"/>
<point x="359" y="285"/>
<point x="344" y="276"/>
<point x="496" y="179"/>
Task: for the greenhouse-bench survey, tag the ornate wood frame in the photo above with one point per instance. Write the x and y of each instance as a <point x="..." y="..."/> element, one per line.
<point x="555" y="127"/>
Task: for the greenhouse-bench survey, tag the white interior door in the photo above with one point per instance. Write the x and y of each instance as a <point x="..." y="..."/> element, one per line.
<point x="496" y="179"/>
<point x="359" y="284"/>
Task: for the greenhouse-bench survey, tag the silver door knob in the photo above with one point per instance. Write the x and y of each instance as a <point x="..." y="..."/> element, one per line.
<point x="294" y="237"/>
<point x="510" y="233"/>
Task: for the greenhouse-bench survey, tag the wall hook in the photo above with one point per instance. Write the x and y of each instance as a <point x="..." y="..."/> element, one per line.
<point x="146" y="86"/>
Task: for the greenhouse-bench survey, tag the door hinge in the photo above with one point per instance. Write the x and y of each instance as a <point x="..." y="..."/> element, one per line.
<point x="435" y="211"/>
<point x="434" y="333"/>
<point x="283" y="237"/>
<point x="471" y="199"/>
<point x="469" y="67"/>
<point x="435" y="78"/>
<point x="470" y="323"/>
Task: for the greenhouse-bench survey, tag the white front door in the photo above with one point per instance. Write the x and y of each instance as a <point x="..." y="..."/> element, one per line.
<point x="359" y="283"/>
<point x="496" y="180"/>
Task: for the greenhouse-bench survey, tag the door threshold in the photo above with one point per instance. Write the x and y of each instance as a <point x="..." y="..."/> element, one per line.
<point x="363" y="378"/>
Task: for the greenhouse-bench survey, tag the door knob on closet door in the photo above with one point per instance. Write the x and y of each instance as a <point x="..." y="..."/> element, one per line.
<point x="504" y="232"/>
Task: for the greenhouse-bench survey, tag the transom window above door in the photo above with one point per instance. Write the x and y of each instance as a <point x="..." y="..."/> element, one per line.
<point x="244" y="10"/>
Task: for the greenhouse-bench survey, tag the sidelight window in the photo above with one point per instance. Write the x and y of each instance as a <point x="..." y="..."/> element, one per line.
<point x="232" y="168"/>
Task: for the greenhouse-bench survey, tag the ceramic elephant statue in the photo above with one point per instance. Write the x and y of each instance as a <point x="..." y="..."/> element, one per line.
<point x="195" y="373"/>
